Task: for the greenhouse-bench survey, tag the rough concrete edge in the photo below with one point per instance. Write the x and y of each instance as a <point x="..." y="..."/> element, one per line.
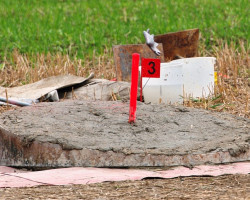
<point x="15" y="152"/>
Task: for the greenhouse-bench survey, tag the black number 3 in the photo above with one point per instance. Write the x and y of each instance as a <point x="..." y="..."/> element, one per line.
<point x="152" y="64"/>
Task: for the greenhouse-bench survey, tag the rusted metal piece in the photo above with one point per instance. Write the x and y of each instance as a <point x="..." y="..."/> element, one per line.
<point x="182" y="44"/>
<point x="123" y="58"/>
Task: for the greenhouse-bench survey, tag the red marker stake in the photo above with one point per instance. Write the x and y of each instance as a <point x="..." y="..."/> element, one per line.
<point x="141" y="89"/>
<point x="134" y="85"/>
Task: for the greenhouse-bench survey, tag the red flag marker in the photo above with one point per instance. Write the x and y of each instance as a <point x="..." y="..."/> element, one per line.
<point x="151" y="68"/>
<point x="134" y="86"/>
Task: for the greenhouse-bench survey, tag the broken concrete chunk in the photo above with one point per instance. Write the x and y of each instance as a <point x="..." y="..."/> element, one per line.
<point x="97" y="133"/>
<point x="100" y="89"/>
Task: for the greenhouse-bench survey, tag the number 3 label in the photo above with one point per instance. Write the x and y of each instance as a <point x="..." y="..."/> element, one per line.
<point x="150" y="67"/>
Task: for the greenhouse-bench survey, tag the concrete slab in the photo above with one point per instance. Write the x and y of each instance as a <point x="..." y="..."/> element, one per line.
<point x="97" y="134"/>
<point x="79" y="175"/>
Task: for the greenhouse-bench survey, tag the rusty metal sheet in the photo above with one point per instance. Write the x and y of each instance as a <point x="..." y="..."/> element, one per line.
<point x="123" y="58"/>
<point x="183" y="43"/>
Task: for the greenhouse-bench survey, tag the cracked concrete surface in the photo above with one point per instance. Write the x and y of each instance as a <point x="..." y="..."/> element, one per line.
<point x="87" y="133"/>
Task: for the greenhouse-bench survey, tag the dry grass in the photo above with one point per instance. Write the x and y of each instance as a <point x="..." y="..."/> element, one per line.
<point x="188" y="188"/>
<point x="232" y="88"/>
<point x="6" y="108"/>
<point x="231" y="92"/>
<point x="24" y="69"/>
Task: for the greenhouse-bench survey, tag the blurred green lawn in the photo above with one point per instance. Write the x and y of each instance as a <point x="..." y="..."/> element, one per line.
<point x="81" y="27"/>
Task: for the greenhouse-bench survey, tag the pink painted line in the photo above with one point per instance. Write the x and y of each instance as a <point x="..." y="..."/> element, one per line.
<point x="78" y="175"/>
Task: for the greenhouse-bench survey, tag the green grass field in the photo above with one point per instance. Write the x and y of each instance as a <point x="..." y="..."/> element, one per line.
<point x="81" y="27"/>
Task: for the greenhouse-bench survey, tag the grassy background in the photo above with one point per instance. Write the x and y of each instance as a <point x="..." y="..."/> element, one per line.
<point x="44" y="38"/>
<point x="81" y="27"/>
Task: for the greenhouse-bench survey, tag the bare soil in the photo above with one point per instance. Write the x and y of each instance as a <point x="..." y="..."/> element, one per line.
<point x="222" y="187"/>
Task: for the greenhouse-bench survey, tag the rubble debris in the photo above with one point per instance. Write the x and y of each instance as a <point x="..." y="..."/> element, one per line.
<point x="43" y="87"/>
<point x="68" y="87"/>
<point x="99" y="89"/>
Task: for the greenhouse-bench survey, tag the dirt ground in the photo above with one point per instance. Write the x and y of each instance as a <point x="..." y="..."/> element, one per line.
<point x="222" y="187"/>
